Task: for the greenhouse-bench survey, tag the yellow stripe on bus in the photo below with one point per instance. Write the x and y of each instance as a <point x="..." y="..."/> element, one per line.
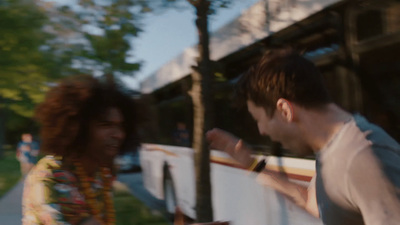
<point x="155" y="148"/>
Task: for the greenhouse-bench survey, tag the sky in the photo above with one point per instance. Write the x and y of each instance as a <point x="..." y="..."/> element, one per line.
<point x="166" y="34"/>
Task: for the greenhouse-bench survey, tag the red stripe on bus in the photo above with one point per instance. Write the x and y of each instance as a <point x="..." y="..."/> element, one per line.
<point x="299" y="177"/>
<point x="161" y="150"/>
<point x="290" y="175"/>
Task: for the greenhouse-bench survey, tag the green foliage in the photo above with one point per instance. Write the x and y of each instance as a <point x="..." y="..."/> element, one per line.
<point x="9" y="171"/>
<point x="96" y="36"/>
<point x="155" y="6"/>
<point x="17" y="125"/>
<point x="111" y="48"/>
<point x="23" y="79"/>
<point x="27" y="64"/>
<point x="42" y="41"/>
<point x="20" y="22"/>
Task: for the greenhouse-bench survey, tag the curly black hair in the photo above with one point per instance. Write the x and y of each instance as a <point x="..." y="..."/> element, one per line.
<point x="69" y="108"/>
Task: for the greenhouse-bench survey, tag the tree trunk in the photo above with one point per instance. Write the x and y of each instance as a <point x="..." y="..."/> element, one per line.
<point x="203" y="110"/>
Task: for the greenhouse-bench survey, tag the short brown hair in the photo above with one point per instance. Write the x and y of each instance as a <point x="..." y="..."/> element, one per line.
<point x="282" y="73"/>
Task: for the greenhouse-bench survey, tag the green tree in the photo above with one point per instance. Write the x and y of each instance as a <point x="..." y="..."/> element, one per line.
<point x="23" y="78"/>
<point x="42" y="41"/>
<point x="95" y="36"/>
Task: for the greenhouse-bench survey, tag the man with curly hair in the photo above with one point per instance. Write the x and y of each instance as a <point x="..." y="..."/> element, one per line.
<point x="84" y="125"/>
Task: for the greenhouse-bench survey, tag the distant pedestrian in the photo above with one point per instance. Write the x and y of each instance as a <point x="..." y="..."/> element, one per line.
<point x="27" y="153"/>
<point x="83" y="127"/>
<point x="181" y="135"/>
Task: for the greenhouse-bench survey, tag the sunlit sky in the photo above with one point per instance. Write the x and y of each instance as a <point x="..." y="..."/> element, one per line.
<point x="168" y="33"/>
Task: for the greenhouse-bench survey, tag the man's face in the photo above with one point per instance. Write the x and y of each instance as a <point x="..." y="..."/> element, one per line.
<point x="106" y="136"/>
<point x="278" y="129"/>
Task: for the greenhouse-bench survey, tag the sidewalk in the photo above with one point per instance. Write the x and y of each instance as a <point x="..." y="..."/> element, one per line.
<point x="10" y="205"/>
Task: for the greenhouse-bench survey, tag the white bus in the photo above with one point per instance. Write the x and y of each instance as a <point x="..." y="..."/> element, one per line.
<point x="168" y="174"/>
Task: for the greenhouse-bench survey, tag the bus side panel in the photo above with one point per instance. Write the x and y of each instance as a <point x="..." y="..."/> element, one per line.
<point x="181" y="167"/>
<point x="237" y="197"/>
<point x="152" y="162"/>
<point x="179" y="163"/>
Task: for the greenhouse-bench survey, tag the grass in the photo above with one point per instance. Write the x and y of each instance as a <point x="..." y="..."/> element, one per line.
<point x="9" y="170"/>
<point x="130" y="210"/>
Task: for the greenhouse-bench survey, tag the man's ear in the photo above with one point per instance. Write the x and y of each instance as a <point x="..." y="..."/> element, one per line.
<point x="285" y="108"/>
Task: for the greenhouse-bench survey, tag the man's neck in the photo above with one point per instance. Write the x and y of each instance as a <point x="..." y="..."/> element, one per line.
<point x="320" y="126"/>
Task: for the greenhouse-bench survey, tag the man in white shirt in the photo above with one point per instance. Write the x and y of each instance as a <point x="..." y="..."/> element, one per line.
<point x="358" y="164"/>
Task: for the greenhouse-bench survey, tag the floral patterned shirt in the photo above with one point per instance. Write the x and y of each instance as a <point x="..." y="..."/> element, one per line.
<point x="52" y="195"/>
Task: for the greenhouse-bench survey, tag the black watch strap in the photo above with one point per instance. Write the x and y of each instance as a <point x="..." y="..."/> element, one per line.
<point x="260" y="166"/>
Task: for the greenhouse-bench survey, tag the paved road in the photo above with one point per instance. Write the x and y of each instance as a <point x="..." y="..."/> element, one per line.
<point x="10" y="205"/>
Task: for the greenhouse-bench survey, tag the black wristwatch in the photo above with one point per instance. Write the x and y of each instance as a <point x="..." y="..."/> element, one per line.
<point x="260" y="166"/>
